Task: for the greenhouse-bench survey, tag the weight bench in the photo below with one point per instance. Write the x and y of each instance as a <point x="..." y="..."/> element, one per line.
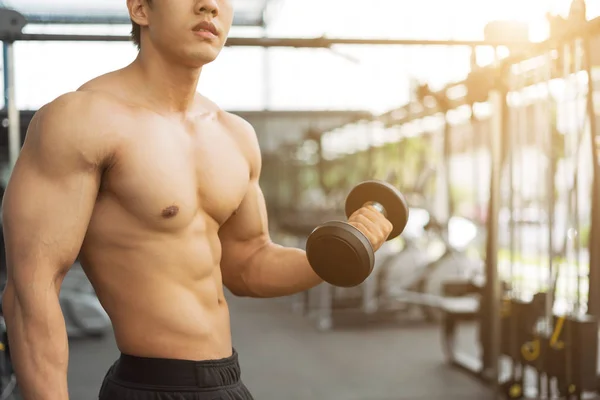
<point x="459" y="306"/>
<point x="458" y="301"/>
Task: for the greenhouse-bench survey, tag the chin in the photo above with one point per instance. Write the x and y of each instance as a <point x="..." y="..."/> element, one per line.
<point x="200" y="57"/>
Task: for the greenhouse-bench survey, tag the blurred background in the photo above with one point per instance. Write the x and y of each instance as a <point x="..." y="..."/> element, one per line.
<point x="482" y="112"/>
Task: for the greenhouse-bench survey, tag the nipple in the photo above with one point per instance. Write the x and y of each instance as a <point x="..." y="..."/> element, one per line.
<point x="170" y="212"/>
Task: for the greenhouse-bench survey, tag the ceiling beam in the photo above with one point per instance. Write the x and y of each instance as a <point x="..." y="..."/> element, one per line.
<point x="272" y="42"/>
<point x="116" y="19"/>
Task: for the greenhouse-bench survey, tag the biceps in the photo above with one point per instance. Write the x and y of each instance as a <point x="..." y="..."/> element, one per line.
<point x="45" y="216"/>
<point x="250" y="220"/>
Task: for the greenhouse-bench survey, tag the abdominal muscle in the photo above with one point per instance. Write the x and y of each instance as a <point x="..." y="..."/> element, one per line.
<point x="162" y="290"/>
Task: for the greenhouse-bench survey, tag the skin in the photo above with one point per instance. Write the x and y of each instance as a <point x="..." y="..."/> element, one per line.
<point x="156" y="190"/>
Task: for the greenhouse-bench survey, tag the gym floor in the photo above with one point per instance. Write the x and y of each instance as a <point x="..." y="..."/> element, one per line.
<point x="284" y="357"/>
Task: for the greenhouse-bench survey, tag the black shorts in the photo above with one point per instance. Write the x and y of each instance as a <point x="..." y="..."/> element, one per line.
<point x="138" y="378"/>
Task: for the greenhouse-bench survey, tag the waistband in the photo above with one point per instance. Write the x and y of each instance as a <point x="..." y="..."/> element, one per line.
<point x="177" y="373"/>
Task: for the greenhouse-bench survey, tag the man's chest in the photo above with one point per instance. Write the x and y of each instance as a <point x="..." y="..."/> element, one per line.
<point x="169" y="173"/>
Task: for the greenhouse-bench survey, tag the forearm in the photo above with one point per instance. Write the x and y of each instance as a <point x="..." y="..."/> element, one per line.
<point x="38" y="342"/>
<point x="277" y="271"/>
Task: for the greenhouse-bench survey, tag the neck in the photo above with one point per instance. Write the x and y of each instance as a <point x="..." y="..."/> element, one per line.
<point x="166" y="85"/>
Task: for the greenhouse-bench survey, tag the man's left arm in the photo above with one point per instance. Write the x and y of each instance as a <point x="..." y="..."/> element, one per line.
<point x="251" y="264"/>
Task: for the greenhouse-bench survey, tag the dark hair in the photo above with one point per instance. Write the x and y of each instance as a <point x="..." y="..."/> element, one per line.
<point x="135" y="34"/>
<point x="136" y="31"/>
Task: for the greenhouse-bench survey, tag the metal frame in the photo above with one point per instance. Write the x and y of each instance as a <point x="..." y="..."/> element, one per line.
<point x="9" y="37"/>
<point x="118" y="20"/>
<point x="265" y="42"/>
<point x="14" y="125"/>
<point x="594" y="251"/>
<point x="405" y="114"/>
<point x="488" y="370"/>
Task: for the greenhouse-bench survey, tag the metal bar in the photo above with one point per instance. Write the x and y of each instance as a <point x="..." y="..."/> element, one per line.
<point x="470" y="365"/>
<point x="66" y="19"/>
<point x="493" y="289"/>
<point x="44" y="37"/>
<point x="14" y="125"/>
<point x="266" y="70"/>
<point x="328" y="42"/>
<point x="594" y="251"/>
<point x="5" y="73"/>
<point x="551" y="176"/>
<point x="275" y="42"/>
<point x="120" y="19"/>
<point x="447" y="169"/>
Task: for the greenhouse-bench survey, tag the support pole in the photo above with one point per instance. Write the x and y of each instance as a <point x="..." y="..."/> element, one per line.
<point x="594" y="236"/>
<point x="5" y="72"/>
<point x="493" y="293"/>
<point x="14" y="125"/>
<point x="266" y="72"/>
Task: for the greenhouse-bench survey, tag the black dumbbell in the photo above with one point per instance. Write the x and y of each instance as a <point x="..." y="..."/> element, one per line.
<point x="342" y="255"/>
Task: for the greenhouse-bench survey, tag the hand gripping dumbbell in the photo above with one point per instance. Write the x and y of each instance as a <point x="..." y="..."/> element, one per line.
<point x="339" y="253"/>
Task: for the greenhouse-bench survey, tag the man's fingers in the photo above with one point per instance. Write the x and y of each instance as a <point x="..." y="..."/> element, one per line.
<point x="370" y="212"/>
<point x="361" y="227"/>
<point x="370" y="229"/>
<point x="372" y="226"/>
<point x="375" y="217"/>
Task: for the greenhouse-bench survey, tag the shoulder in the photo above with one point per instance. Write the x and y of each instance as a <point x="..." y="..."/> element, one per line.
<point x="74" y="123"/>
<point x="245" y="136"/>
<point x="75" y="105"/>
<point x="240" y="130"/>
<point x="240" y="127"/>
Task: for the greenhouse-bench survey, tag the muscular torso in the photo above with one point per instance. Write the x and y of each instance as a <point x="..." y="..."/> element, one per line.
<point x="152" y="249"/>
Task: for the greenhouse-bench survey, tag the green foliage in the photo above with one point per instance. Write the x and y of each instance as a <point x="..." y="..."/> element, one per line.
<point x="584" y="236"/>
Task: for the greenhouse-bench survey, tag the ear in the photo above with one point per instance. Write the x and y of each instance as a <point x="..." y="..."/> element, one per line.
<point x="138" y="11"/>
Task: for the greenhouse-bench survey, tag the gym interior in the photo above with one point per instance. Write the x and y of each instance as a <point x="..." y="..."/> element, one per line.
<point x="481" y="112"/>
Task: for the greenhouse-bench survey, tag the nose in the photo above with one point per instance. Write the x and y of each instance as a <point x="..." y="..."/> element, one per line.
<point x="207" y="7"/>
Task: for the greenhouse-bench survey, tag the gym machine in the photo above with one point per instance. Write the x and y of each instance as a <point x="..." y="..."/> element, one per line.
<point x="538" y="336"/>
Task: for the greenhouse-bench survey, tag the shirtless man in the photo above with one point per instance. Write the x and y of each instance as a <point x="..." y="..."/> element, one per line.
<point x="156" y="190"/>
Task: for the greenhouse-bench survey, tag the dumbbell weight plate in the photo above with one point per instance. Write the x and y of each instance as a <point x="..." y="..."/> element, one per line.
<point x="385" y="194"/>
<point x="340" y="254"/>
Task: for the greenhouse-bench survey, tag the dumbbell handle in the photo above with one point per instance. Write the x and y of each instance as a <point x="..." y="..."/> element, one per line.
<point x="376" y="206"/>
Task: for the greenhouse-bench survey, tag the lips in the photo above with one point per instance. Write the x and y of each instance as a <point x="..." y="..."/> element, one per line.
<point x="206" y="26"/>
